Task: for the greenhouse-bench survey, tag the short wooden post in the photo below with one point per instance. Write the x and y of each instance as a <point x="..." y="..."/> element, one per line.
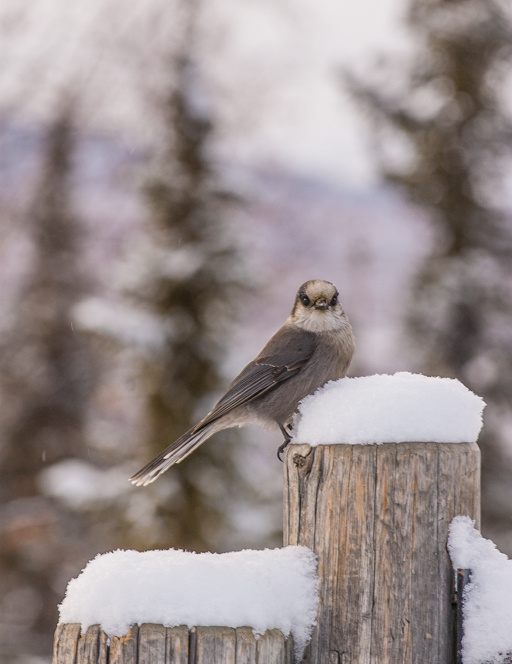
<point x="156" y="644"/>
<point x="378" y="518"/>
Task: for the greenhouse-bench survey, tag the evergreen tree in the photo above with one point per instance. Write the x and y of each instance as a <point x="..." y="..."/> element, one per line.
<point x="192" y="283"/>
<point x="450" y="110"/>
<point x="45" y="382"/>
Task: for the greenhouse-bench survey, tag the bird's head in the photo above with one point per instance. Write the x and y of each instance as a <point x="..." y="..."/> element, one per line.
<point x="317" y="308"/>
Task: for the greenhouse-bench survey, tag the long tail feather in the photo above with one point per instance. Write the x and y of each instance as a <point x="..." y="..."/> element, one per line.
<point x="175" y="453"/>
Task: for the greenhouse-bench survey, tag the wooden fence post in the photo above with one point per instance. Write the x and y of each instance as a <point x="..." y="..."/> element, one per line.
<point x="378" y="518"/>
<point x="156" y="644"/>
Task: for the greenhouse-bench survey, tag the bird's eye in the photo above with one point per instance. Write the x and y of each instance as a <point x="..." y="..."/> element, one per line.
<point x="334" y="300"/>
<point x="305" y="300"/>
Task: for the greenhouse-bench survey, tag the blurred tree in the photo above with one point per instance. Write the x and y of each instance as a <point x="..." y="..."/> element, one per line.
<point x="450" y="109"/>
<point x="45" y="382"/>
<point x="192" y="282"/>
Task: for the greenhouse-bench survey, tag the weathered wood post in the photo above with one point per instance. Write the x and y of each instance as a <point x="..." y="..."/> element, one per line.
<point x="378" y="518"/>
<point x="156" y="644"/>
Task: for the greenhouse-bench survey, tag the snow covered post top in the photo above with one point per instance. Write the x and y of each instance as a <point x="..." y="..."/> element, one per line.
<point x="225" y="599"/>
<point x="376" y="509"/>
<point x="390" y="409"/>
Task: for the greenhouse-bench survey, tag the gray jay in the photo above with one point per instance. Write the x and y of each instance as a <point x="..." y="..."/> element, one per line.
<point x="315" y="345"/>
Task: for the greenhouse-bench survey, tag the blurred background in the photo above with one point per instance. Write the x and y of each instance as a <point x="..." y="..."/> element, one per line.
<point x="170" y="173"/>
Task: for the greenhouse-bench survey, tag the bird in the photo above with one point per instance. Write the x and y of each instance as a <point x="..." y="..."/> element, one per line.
<point x="315" y="345"/>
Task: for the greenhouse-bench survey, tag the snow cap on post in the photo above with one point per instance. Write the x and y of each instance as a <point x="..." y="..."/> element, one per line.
<point x="400" y="408"/>
<point x="270" y="589"/>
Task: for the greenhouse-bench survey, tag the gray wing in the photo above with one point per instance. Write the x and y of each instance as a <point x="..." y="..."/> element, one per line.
<point x="283" y="357"/>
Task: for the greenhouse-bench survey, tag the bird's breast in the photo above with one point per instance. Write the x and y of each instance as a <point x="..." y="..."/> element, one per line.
<point x="330" y="361"/>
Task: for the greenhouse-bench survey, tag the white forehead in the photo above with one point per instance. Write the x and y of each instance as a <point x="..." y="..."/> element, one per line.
<point x="318" y="288"/>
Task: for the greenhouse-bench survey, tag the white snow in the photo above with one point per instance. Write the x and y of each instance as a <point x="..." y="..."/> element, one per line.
<point x="487" y="607"/>
<point x="400" y="408"/>
<point x="262" y="589"/>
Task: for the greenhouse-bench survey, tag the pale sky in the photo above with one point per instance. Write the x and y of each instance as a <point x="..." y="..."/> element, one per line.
<point x="286" y="66"/>
<point x="270" y="68"/>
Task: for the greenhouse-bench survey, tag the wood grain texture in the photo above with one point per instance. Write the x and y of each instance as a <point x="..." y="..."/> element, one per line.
<point x="89" y="646"/>
<point x="271" y="648"/>
<point x="156" y="644"/>
<point x="378" y="518"/>
<point x="290" y="649"/>
<point x="103" y="649"/>
<point x="152" y="644"/>
<point x="177" y="645"/>
<point x="215" y="645"/>
<point x="123" y="649"/>
<point x="459" y="482"/>
<point x="65" y="643"/>
<point x="245" y="646"/>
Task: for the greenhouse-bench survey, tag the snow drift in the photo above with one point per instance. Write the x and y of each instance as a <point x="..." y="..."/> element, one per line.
<point x="487" y="607"/>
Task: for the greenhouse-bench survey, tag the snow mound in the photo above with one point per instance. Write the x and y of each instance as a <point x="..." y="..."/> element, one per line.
<point x="401" y="408"/>
<point x="262" y="589"/>
<point x="487" y="608"/>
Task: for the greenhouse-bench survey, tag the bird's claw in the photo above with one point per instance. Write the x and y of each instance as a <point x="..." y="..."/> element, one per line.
<point x="287" y="439"/>
<point x="281" y="449"/>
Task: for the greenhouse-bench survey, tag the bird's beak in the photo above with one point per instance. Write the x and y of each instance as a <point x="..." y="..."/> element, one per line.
<point x="321" y="304"/>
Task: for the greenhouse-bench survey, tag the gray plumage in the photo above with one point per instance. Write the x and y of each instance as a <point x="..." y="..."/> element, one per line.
<point x="315" y="345"/>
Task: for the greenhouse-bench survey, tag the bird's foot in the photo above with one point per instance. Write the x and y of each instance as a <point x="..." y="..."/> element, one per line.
<point x="287" y="438"/>
<point x="281" y="449"/>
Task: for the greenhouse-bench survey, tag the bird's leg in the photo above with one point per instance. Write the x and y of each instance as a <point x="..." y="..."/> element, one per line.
<point x="287" y="439"/>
